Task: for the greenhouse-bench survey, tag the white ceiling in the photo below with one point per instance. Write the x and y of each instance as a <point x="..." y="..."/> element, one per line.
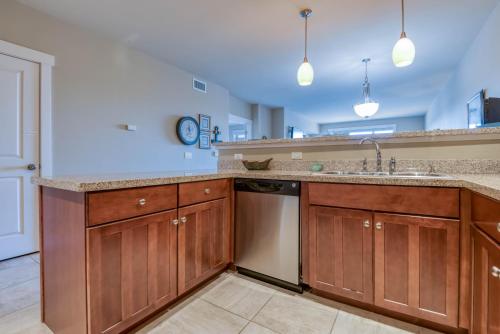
<point x="254" y="47"/>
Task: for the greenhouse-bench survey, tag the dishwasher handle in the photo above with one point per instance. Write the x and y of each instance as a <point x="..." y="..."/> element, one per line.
<point x="268" y="186"/>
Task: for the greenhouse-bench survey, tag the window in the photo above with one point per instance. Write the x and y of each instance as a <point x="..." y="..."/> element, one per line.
<point x="363" y="130"/>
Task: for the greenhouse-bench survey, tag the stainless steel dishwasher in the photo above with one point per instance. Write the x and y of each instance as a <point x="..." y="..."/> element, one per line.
<point x="267" y="239"/>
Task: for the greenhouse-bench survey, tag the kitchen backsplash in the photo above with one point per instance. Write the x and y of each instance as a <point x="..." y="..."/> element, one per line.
<point x="478" y="166"/>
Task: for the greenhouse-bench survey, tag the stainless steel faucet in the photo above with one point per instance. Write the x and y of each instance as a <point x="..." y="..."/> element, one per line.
<point x="377" y="147"/>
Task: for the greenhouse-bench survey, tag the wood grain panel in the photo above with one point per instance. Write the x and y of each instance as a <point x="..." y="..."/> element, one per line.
<point x="486" y="215"/>
<point x="340" y="252"/>
<point x="202" y="239"/>
<point x="126" y="270"/>
<point x="486" y="288"/>
<point x="430" y="255"/>
<point x="429" y="201"/>
<point x="113" y="205"/>
<point x="465" y="260"/>
<point x="304" y="231"/>
<point x="198" y="192"/>
<point x="63" y="260"/>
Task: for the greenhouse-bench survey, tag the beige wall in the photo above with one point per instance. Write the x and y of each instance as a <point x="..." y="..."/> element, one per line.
<point x="419" y="151"/>
<point x="240" y="108"/>
<point x="100" y="85"/>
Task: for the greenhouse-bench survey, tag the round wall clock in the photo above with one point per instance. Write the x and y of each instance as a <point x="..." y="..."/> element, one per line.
<point x="188" y="130"/>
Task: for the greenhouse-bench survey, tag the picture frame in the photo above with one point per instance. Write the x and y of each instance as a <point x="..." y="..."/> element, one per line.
<point x="204" y="121"/>
<point x="204" y="142"/>
<point x="475" y="110"/>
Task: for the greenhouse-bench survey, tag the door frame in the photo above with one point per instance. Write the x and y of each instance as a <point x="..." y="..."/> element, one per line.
<point x="46" y="62"/>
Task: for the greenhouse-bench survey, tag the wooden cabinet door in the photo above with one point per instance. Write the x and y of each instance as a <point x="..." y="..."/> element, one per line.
<point x="204" y="242"/>
<point x="132" y="268"/>
<point x="485" y="284"/>
<point x="416" y="266"/>
<point x="340" y="252"/>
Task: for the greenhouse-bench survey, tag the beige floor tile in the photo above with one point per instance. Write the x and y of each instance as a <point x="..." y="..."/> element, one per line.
<point x="18" y="261"/>
<point x="253" y="328"/>
<point x="18" y="274"/>
<point x="293" y="314"/>
<point x="19" y="296"/>
<point x="239" y="296"/>
<point x="201" y="317"/>
<point x="23" y="321"/>
<point x="351" y="323"/>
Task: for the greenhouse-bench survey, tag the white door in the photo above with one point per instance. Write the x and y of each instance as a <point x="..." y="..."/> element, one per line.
<point x="19" y="147"/>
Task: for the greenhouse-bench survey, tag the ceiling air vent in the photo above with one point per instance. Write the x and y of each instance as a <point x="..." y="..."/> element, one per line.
<point x="199" y="85"/>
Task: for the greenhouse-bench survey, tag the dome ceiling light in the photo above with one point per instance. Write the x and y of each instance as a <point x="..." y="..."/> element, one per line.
<point x="305" y="73"/>
<point x="403" y="52"/>
<point x="368" y="107"/>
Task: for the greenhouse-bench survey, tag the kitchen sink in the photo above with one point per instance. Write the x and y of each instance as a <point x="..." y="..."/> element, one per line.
<point x="387" y="174"/>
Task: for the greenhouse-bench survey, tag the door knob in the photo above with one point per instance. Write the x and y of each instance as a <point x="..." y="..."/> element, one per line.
<point x="183" y="219"/>
<point x="175" y="221"/>
<point x="498" y="227"/>
<point x="142" y="202"/>
<point x="31" y="167"/>
<point x="495" y="271"/>
<point x="378" y="226"/>
<point x="207" y="191"/>
<point x="366" y="223"/>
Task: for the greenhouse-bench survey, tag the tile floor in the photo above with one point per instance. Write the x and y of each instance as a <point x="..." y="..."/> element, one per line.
<point x="230" y="304"/>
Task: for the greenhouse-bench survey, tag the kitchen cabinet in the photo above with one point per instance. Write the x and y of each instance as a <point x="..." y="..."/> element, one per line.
<point x="340" y="251"/>
<point x="416" y="266"/>
<point x="204" y="242"/>
<point x="132" y="269"/>
<point x="485" y="315"/>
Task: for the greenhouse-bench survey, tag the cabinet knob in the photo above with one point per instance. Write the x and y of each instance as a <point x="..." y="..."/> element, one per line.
<point x="378" y="226"/>
<point x="366" y="223"/>
<point x="142" y="202"/>
<point x="175" y="221"/>
<point x="207" y="191"/>
<point x="183" y="219"/>
<point x="498" y="227"/>
<point x="495" y="271"/>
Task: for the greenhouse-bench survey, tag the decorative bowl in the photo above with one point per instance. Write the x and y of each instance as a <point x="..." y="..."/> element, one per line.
<point x="257" y="165"/>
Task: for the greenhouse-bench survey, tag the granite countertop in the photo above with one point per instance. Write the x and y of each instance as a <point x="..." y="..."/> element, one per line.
<point x="486" y="184"/>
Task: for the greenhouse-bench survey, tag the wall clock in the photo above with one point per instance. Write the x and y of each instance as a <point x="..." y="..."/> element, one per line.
<point x="188" y="130"/>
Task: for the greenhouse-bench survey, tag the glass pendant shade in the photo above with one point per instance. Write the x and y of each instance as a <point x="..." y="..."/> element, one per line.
<point x="403" y="52"/>
<point x="366" y="109"/>
<point x="305" y="74"/>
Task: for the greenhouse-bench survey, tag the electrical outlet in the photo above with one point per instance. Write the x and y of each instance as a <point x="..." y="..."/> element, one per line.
<point x="188" y="155"/>
<point x="131" y="127"/>
<point x="296" y="155"/>
<point x="238" y="156"/>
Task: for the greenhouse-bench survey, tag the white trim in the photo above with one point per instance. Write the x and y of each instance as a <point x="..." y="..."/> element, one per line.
<point x="22" y="52"/>
<point x="46" y="62"/>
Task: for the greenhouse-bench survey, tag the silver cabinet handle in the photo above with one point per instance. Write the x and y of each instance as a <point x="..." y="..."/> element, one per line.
<point x="378" y="226"/>
<point x="142" y="202"/>
<point x="366" y="223"/>
<point x="495" y="271"/>
<point x="498" y="227"/>
<point x="31" y="167"/>
<point x="183" y="219"/>
<point x="175" y="221"/>
<point x="207" y="191"/>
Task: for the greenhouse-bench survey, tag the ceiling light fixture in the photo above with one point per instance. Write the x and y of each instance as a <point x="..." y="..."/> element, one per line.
<point x="305" y="73"/>
<point x="403" y="52"/>
<point x="368" y="107"/>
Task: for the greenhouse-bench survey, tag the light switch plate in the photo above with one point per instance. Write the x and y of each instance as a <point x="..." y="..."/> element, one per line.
<point x="238" y="156"/>
<point x="188" y="155"/>
<point x="296" y="155"/>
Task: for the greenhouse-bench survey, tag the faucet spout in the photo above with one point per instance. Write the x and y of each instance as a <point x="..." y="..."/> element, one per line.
<point x="377" y="148"/>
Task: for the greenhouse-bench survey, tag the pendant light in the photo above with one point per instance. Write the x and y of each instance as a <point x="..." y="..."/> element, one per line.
<point x="403" y="52"/>
<point x="368" y="107"/>
<point x="305" y="73"/>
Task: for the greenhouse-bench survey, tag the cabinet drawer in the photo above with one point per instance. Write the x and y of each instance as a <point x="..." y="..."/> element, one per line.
<point x="197" y="192"/>
<point x="486" y="215"/>
<point x="108" y="206"/>
<point x="429" y="201"/>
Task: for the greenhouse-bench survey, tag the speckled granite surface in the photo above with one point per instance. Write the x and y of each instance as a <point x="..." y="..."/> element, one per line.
<point x="488" y="185"/>
<point x="417" y="136"/>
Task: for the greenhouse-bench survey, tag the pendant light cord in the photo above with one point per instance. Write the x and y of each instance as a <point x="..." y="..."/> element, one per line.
<point x="305" y="41"/>
<point x="403" y="33"/>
